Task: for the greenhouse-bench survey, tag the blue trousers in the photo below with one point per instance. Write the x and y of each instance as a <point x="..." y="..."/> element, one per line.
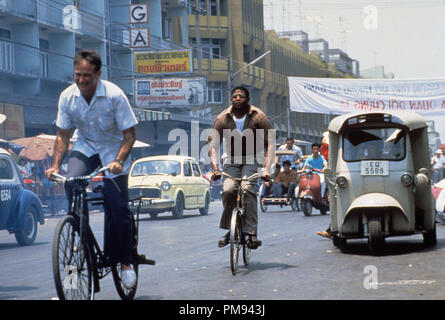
<point x="118" y="233"/>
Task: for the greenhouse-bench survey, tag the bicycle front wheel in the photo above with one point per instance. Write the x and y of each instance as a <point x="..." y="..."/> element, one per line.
<point x="72" y="264"/>
<point x="235" y="241"/>
<point x="122" y="290"/>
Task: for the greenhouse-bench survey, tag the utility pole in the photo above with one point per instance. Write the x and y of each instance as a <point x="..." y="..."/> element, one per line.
<point x="198" y="37"/>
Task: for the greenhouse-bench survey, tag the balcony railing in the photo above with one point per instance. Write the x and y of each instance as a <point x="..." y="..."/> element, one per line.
<point x="6" y="56"/>
<point x="21" y="8"/>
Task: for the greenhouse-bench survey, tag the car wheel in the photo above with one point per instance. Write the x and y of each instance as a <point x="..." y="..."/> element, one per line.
<point x="205" y="210"/>
<point x="178" y="209"/>
<point x="27" y="235"/>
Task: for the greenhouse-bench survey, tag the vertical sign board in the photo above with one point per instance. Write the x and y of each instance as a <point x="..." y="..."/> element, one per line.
<point x="138" y="13"/>
<point x="139" y="38"/>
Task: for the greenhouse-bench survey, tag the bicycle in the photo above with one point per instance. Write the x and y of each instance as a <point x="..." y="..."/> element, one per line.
<point x="239" y="240"/>
<point x="77" y="259"/>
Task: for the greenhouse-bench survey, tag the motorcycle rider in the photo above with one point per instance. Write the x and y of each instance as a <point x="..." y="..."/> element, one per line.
<point x="317" y="162"/>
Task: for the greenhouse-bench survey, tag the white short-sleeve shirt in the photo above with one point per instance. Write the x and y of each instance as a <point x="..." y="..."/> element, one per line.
<point x="98" y="125"/>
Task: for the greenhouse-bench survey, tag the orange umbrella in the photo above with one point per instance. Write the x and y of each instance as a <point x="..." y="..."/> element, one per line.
<point x="35" y="148"/>
<point x="38" y="147"/>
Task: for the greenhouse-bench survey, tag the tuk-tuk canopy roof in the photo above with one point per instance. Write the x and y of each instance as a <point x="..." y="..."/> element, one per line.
<point x="409" y="119"/>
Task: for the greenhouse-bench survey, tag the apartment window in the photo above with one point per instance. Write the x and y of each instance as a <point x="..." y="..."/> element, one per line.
<point x="5" y="34"/>
<point x="215" y="92"/>
<point x="166" y="26"/>
<point x="210" y="48"/>
<point x="43" y="56"/>
<point x="6" y="51"/>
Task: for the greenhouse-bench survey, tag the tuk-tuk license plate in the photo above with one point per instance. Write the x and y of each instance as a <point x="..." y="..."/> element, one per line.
<point x="374" y="168"/>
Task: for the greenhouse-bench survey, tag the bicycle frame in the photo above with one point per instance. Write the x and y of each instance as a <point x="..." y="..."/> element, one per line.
<point x="237" y="238"/>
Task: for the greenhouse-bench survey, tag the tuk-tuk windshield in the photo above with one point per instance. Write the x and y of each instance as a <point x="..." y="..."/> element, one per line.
<point x="374" y="144"/>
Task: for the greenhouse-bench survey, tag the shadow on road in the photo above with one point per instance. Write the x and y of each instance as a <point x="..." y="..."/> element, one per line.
<point x="259" y="266"/>
<point x="146" y="217"/>
<point x="391" y="248"/>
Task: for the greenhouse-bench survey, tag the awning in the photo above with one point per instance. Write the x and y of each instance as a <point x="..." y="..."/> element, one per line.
<point x="150" y="115"/>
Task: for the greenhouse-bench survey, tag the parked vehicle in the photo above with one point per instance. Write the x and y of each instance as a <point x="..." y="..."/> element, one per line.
<point x="378" y="175"/>
<point x="169" y="183"/>
<point x="20" y="209"/>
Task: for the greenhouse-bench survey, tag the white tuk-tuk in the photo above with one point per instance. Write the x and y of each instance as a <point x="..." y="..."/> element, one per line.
<point x="379" y="178"/>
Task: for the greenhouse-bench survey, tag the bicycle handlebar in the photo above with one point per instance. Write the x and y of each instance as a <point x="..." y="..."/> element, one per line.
<point x="59" y="178"/>
<point x="250" y="178"/>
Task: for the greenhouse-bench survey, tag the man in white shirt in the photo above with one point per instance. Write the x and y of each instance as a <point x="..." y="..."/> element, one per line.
<point x="105" y="124"/>
<point x="438" y="166"/>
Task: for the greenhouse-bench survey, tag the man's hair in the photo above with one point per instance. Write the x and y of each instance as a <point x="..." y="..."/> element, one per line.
<point x="289" y="139"/>
<point x="286" y="163"/>
<point x="315" y="145"/>
<point x="242" y="89"/>
<point x="92" y="56"/>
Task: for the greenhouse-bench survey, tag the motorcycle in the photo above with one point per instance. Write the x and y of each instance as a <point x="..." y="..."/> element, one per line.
<point x="309" y="192"/>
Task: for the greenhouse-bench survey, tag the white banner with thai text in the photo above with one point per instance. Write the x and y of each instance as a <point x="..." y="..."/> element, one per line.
<point x="338" y="96"/>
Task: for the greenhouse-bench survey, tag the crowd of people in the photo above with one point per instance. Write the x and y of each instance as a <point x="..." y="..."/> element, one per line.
<point x="33" y="176"/>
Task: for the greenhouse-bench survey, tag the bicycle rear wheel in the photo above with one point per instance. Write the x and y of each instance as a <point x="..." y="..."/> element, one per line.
<point x="72" y="264"/>
<point x="123" y="291"/>
<point x="235" y="241"/>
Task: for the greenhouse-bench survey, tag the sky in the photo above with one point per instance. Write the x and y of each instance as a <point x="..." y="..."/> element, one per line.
<point x="407" y="37"/>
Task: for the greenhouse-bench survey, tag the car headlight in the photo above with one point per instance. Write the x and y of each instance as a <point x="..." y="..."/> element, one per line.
<point x="165" y="186"/>
<point x="407" y="179"/>
<point x="341" y="181"/>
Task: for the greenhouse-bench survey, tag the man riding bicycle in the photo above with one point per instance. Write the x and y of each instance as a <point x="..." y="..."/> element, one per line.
<point x="105" y="124"/>
<point x="247" y="132"/>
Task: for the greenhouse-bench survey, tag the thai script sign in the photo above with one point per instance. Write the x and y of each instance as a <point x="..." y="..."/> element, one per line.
<point x="164" y="62"/>
<point x="170" y="92"/>
<point x="337" y="96"/>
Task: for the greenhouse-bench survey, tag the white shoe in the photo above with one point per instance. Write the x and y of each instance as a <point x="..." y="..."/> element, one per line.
<point x="128" y="278"/>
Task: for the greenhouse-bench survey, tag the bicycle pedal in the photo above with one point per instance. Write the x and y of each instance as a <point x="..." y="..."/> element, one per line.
<point x="141" y="259"/>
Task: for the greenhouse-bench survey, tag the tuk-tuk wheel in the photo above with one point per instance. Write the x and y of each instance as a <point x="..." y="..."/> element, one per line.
<point x="430" y="237"/>
<point x="376" y="239"/>
<point x="338" y="241"/>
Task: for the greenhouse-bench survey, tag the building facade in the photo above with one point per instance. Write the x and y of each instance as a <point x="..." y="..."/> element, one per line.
<point x="39" y="38"/>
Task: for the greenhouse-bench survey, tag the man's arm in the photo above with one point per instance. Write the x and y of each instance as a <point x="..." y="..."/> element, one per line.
<point x="124" y="151"/>
<point x="60" y="148"/>
<point x="214" y="140"/>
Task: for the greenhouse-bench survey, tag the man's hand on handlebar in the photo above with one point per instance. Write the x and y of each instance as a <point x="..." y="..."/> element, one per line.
<point x="115" y="167"/>
<point x="49" y="172"/>
<point x="215" y="175"/>
<point x="266" y="176"/>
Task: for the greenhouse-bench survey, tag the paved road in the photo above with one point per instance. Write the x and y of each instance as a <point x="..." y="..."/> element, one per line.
<point x="293" y="262"/>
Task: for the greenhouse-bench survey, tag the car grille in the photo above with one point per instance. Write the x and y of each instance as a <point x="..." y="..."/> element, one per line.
<point x="145" y="192"/>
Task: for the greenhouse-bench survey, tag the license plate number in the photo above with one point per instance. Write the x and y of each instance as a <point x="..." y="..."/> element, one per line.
<point x="143" y="203"/>
<point x="375" y="168"/>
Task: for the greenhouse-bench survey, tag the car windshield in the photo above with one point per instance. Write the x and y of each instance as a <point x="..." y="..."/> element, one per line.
<point x="156" y="167"/>
<point x="374" y="144"/>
